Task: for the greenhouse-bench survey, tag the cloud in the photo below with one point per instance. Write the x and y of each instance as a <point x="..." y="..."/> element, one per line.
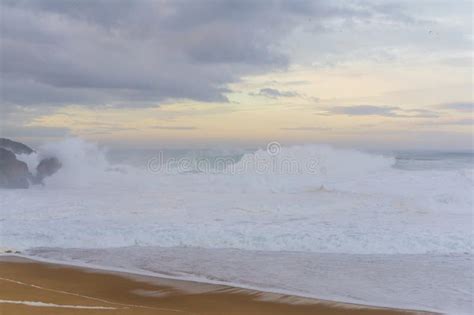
<point x="305" y="128"/>
<point x="467" y="121"/>
<point x="374" y="110"/>
<point x="458" y="122"/>
<point x="34" y="132"/>
<point x="274" y="93"/>
<point x="459" y="106"/>
<point x="57" y="52"/>
<point x="363" y="110"/>
<point x="419" y="113"/>
<point x="175" y="127"/>
<point x="104" y="130"/>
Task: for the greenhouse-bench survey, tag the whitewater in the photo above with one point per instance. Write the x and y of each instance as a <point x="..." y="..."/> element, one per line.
<point x="339" y="224"/>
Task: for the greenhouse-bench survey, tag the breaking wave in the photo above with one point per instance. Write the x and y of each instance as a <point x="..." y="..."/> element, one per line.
<point x="312" y="198"/>
<point x="86" y="164"/>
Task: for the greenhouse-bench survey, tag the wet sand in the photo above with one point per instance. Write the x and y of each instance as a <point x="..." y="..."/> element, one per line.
<point x="29" y="287"/>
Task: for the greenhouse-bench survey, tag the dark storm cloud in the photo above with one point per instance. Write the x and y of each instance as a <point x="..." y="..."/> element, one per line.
<point x="96" y="52"/>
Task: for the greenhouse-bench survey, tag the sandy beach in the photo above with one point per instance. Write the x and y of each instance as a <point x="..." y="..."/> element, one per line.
<point x="30" y="287"/>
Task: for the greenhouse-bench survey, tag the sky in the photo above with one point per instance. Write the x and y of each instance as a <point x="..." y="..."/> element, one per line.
<point x="178" y="74"/>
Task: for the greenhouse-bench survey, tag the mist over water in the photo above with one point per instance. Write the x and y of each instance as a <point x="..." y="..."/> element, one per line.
<point x="274" y="168"/>
<point x="84" y="162"/>
<point x="311" y="198"/>
<point x="406" y="160"/>
<point x="435" y="160"/>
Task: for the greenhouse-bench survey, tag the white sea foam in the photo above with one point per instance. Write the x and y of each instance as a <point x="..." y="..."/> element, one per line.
<point x="338" y="201"/>
<point x="43" y="304"/>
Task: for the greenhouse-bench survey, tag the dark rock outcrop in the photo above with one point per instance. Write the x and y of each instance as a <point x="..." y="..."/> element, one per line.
<point x="13" y="173"/>
<point x="15" y="147"/>
<point x="47" y="167"/>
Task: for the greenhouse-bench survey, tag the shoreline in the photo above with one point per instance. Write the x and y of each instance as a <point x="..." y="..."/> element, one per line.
<point x="342" y="278"/>
<point x="181" y="289"/>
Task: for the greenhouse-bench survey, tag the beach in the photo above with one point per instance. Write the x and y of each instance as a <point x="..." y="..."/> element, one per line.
<point x="31" y="287"/>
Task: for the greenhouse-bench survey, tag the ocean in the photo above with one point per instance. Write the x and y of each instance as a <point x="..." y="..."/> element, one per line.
<point x="294" y="204"/>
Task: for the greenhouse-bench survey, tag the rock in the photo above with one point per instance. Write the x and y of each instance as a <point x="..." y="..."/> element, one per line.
<point x="6" y="250"/>
<point x="13" y="173"/>
<point x="15" y="147"/>
<point x="47" y="167"/>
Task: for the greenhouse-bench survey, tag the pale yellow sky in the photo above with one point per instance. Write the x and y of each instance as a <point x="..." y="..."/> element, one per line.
<point x="304" y="116"/>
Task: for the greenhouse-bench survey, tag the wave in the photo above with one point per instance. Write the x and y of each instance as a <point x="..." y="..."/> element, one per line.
<point x="306" y="167"/>
<point x="85" y="163"/>
<point x="312" y="198"/>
